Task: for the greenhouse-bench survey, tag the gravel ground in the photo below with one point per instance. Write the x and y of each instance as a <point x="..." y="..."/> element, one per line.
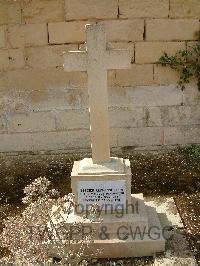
<point x="175" y="174"/>
<point x="189" y="209"/>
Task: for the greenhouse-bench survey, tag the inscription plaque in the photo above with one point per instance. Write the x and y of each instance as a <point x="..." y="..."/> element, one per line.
<point x="107" y="194"/>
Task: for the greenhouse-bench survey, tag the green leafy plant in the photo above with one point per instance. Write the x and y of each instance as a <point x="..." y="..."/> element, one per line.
<point x="186" y="62"/>
<point x="191" y="150"/>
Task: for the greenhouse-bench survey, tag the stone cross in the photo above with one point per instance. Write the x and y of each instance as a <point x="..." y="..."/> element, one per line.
<point x="96" y="60"/>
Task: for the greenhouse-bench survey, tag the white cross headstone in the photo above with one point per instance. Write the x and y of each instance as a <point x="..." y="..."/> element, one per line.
<point x="96" y="60"/>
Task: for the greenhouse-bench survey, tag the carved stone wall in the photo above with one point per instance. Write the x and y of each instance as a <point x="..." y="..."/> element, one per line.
<point x="44" y="108"/>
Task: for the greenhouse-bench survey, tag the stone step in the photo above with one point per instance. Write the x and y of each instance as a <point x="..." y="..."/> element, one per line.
<point x="135" y="217"/>
<point x="130" y="241"/>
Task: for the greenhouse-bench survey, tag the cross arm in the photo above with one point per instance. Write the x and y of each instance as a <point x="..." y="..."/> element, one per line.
<point x="75" y="61"/>
<point x="118" y="59"/>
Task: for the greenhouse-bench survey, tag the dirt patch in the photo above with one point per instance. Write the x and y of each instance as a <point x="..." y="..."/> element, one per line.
<point x="153" y="174"/>
<point x="189" y="210"/>
<point x="5" y="211"/>
<point x="18" y="171"/>
<point x="165" y="174"/>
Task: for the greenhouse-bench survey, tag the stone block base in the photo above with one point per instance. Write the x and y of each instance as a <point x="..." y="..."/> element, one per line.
<point x="134" y="235"/>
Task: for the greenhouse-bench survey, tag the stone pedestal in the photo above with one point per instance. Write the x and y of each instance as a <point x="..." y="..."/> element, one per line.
<point x="124" y="225"/>
<point x="107" y="184"/>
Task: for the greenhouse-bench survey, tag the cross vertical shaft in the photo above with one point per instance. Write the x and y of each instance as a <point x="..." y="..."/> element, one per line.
<point x="98" y="96"/>
<point x="96" y="60"/>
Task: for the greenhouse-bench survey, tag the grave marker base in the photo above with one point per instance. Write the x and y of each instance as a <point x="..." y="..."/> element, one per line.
<point x="132" y="231"/>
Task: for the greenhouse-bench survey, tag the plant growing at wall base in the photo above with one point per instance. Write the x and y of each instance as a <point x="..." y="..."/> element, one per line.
<point x="191" y="150"/>
<point x="186" y="62"/>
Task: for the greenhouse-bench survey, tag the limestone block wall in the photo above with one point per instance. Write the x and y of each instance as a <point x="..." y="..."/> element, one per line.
<point x="44" y="108"/>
